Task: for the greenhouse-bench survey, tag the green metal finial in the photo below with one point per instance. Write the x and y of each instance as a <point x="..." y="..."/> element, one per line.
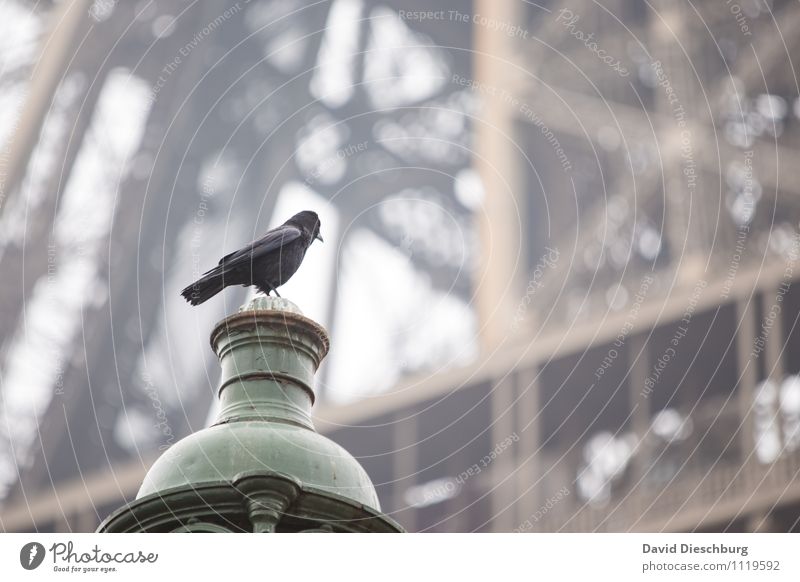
<point x="261" y="466"/>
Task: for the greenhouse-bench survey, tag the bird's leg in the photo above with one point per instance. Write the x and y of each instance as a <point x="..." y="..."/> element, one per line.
<point x="268" y="291"/>
<point x="271" y="289"/>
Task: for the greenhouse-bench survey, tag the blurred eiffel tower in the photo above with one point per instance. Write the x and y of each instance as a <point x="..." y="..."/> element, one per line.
<point x="667" y="157"/>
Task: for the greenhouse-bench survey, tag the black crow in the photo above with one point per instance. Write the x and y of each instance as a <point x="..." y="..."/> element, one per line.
<point x="266" y="263"/>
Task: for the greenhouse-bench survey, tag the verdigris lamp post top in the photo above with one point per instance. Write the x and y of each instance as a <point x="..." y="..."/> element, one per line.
<point x="261" y="466"/>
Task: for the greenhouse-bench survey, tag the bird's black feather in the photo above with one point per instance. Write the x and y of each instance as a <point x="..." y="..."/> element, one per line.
<point x="271" y="241"/>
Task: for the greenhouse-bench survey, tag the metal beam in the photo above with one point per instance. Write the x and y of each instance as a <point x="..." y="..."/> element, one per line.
<point x="69" y="22"/>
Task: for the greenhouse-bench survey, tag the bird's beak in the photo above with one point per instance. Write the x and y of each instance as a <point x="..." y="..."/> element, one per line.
<point x="319" y="237"/>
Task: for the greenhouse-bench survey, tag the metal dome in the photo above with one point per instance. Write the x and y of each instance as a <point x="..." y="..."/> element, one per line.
<point x="224" y="452"/>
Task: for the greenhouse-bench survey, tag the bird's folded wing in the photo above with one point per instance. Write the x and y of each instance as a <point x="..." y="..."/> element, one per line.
<point x="270" y="242"/>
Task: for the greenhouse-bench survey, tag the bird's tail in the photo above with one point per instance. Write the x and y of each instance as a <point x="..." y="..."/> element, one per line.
<point x="204" y="288"/>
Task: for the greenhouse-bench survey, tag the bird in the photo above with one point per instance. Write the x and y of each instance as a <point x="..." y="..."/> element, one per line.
<point x="266" y="263"/>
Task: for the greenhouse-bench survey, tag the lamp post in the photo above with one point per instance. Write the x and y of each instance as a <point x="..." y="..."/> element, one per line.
<point x="261" y="467"/>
